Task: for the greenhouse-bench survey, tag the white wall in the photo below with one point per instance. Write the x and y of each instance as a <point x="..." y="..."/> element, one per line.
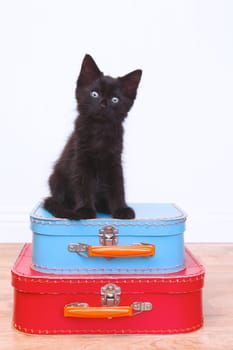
<point x="178" y="140"/>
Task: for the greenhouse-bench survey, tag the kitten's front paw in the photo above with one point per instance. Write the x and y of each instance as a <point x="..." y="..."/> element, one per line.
<point x="124" y="213"/>
<point x="85" y="213"/>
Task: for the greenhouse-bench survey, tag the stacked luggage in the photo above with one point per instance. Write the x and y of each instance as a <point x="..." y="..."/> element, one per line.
<point x="106" y="275"/>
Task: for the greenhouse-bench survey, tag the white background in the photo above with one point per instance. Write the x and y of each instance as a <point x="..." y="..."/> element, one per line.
<point x="178" y="138"/>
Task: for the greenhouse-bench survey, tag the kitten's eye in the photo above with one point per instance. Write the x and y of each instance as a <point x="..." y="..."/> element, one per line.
<point x="94" y="94"/>
<point x="115" y="99"/>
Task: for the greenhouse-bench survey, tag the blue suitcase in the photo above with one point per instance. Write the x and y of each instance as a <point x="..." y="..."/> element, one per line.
<point x="152" y="243"/>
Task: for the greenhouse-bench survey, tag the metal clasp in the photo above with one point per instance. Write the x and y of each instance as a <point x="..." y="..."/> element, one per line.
<point x="108" y="235"/>
<point x="77" y="305"/>
<point x="110" y="295"/>
<point x="140" y="306"/>
<point x="80" y="248"/>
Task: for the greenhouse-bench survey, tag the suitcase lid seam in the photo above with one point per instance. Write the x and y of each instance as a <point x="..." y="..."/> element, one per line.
<point x="34" y="217"/>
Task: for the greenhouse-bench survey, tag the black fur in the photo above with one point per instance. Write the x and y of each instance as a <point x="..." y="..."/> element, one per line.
<point x="88" y="175"/>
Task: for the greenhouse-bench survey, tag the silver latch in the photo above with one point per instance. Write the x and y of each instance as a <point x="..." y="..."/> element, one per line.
<point x="110" y="295"/>
<point x="77" y="305"/>
<point x="140" y="306"/>
<point x="108" y="235"/>
<point x="80" y="248"/>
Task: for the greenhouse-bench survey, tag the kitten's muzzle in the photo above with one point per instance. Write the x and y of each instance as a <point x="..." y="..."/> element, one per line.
<point x="103" y="103"/>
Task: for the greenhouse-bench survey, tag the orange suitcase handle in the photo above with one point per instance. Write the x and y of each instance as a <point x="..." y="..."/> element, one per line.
<point x="98" y="312"/>
<point x="133" y="250"/>
<point x="83" y="310"/>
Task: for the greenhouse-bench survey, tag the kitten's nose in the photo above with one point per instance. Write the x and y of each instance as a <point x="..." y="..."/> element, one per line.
<point x="103" y="103"/>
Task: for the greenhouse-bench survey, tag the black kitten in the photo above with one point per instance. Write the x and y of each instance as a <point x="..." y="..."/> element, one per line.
<point x="88" y="175"/>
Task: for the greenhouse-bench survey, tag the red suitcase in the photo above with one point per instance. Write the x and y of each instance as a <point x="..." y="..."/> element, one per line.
<point x="94" y="304"/>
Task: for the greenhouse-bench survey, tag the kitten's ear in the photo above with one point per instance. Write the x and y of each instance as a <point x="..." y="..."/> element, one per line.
<point x="89" y="72"/>
<point x="130" y="83"/>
